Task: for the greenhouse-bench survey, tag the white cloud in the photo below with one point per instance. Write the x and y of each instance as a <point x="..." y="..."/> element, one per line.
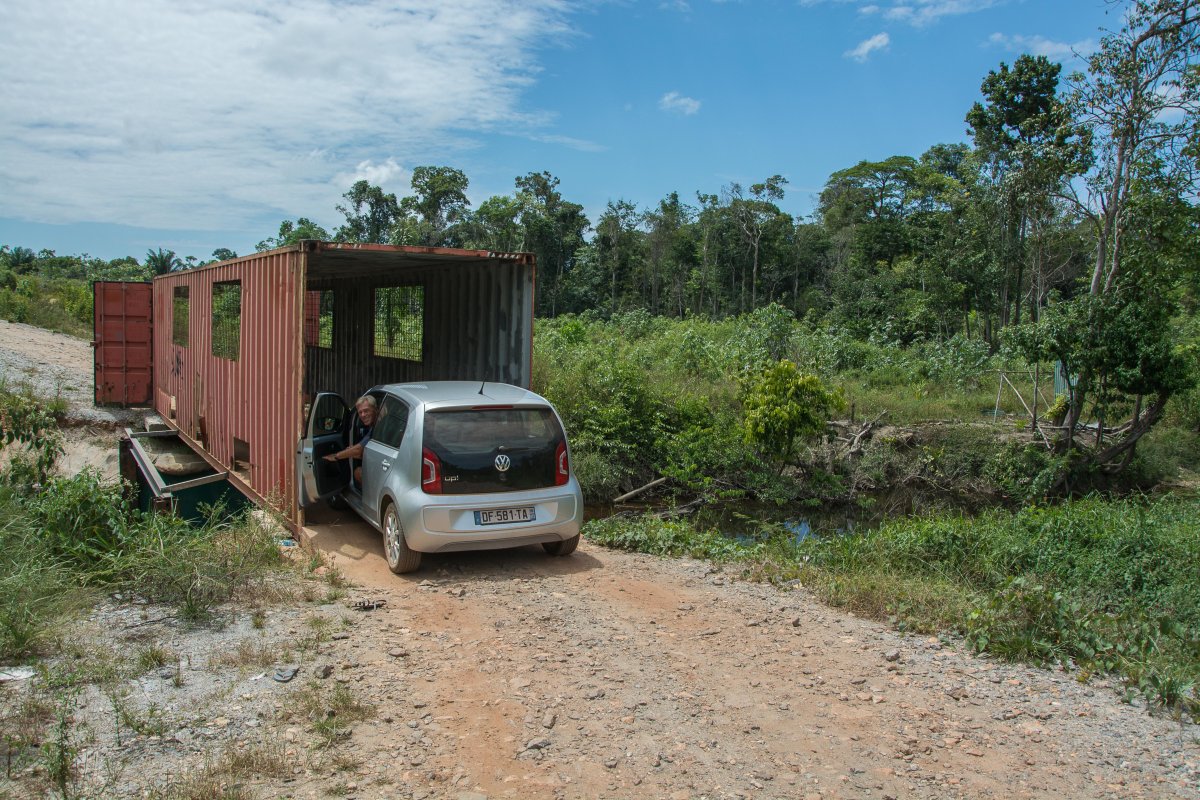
<point x="1041" y="46"/>
<point x="389" y="174"/>
<point x="916" y="12"/>
<point x="879" y="41"/>
<point x="925" y="12"/>
<point x="674" y="101"/>
<point x="582" y="145"/>
<point x="187" y="114"/>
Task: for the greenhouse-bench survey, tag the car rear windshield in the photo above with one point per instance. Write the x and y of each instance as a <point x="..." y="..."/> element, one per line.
<point x="494" y="449"/>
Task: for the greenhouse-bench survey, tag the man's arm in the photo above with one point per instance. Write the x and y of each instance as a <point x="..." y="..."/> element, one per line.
<point x="353" y="451"/>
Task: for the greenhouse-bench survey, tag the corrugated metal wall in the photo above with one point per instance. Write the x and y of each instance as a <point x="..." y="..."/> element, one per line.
<point x="122" y="341"/>
<point x="478" y="326"/>
<point x="256" y="398"/>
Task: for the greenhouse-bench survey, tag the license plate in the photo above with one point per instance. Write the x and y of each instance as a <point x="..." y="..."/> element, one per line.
<point x="500" y="516"/>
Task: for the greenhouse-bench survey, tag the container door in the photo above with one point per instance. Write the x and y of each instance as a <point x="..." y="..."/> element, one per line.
<point x="122" y="343"/>
<point x="325" y="433"/>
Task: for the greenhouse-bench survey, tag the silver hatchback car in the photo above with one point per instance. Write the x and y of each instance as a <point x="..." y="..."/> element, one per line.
<point x="449" y="465"/>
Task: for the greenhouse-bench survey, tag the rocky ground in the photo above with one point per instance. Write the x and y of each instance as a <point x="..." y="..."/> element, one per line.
<point x="605" y="674"/>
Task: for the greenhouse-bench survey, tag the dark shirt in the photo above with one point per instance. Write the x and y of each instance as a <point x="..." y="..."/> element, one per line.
<point x="362" y="433"/>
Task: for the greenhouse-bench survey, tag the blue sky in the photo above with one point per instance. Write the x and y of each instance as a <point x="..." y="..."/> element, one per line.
<point x="197" y="124"/>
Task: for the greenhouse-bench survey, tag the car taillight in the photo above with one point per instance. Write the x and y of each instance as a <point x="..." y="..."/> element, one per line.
<point x="562" y="470"/>
<point x="431" y="472"/>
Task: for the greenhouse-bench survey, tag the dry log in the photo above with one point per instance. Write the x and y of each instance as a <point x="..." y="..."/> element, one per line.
<point x="652" y="484"/>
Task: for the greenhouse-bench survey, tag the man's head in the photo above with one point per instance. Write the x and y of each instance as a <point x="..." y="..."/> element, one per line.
<point x="367" y="408"/>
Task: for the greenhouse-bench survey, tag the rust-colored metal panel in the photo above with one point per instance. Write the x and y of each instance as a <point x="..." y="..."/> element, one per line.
<point x="122" y="333"/>
<point x="245" y="412"/>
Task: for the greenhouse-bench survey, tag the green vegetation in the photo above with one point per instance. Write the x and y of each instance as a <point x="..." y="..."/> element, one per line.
<point x="644" y="397"/>
<point x="1106" y="586"/>
<point x="62" y="537"/>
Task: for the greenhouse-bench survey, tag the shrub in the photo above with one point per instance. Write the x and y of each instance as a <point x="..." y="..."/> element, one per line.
<point x="782" y="405"/>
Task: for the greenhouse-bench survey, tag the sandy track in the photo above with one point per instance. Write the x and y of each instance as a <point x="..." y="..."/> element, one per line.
<point x="512" y="674"/>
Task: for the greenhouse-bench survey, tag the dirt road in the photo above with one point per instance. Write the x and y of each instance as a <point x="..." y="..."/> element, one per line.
<point x="618" y="675"/>
<point x="606" y="674"/>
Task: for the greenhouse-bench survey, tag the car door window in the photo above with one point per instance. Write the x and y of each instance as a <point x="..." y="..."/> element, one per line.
<point x="327" y="416"/>
<point x="393" y="419"/>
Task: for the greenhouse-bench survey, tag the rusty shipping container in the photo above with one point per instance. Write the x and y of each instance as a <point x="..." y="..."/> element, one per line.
<point x="240" y="347"/>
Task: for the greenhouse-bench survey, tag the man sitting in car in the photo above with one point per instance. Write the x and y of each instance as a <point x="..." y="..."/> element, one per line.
<point x="364" y="424"/>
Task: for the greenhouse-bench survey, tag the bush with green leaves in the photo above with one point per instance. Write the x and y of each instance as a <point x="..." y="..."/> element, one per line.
<point x="27" y="425"/>
<point x="783" y="405"/>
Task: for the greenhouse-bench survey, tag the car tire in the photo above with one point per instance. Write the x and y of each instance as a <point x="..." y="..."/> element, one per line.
<point x="400" y="558"/>
<point x="563" y="548"/>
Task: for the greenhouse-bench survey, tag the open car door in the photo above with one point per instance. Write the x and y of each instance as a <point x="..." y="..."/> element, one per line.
<point x="325" y="433"/>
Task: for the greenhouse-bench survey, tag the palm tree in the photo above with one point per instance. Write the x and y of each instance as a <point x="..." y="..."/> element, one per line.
<point x="162" y="261"/>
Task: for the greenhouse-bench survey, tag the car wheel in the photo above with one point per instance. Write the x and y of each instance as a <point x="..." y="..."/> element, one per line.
<point x="563" y="548"/>
<point x="400" y="558"/>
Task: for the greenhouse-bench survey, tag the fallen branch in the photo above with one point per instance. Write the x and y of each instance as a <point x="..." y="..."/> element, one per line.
<point x="683" y="510"/>
<point x="856" y="442"/>
<point x="640" y="489"/>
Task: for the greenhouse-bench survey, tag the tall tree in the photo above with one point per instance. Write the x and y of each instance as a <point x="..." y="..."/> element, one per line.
<point x="554" y="230"/>
<point x="292" y="232"/>
<point x="670" y="255"/>
<point x="1023" y="136"/>
<point x="753" y="215"/>
<point x="370" y="214"/>
<point x="619" y="243"/>
<point x="1140" y="106"/>
<point x="439" y="202"/>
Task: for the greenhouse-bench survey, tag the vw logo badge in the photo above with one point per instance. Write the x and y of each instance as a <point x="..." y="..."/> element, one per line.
<point x="503" y="462"/>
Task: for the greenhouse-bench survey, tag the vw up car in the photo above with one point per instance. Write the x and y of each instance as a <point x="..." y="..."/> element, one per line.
<point x="449" y="466"/>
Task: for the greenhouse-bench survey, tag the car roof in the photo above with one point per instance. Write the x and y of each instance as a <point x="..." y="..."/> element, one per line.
<point x="457" y="393"/>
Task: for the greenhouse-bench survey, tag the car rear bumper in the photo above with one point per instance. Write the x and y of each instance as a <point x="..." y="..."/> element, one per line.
<point x="450" y="523"/>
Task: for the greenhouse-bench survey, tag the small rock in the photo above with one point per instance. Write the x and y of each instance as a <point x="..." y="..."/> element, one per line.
<point x="891" y="655"/>
<point x="548" y="720"/>
<point x="593" y="694"/>
<point x="537" y="744"/>
<point x="338" y="637"/>
<point x="796" y="622"/>
<point x="397" y="652"/>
